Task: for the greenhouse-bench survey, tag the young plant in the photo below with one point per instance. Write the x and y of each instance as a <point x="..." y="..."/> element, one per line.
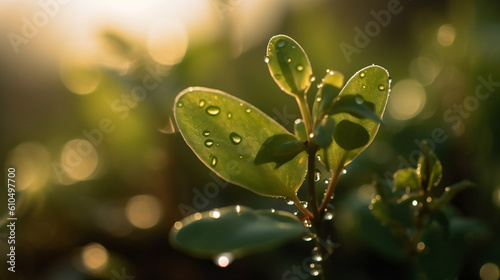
<point x="246" y="147"/>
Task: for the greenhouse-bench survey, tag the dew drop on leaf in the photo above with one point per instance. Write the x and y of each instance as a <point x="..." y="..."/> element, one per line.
<point x="344" y="171"/>
<point x="213" y="161"/>
<point x="315" y="269"/>
<point x="359" y="99"/>
<point x="328" y="214"/>
<point x="229" y="115"/>
<point x="281" y="43"/>
<point x="209" y="143"/>
<point x="206" y="133"/>
<point x="308" y="236"/>
<point x="307" y="223"/>
<point x="381" y="87"/>
<point x="266" y="59"/>
<point x="202" y="103"/>
<point x="312" y="78"/>
<point x="248" y="111"/>
<point x="180" y="104"/>
<point x="316" y="254"/>
<point x="317" y="175"/>
<point x="300" y="67"/>
<point x="362" y="75"/>
<point x="304" y="204"/>
<point x="213" y="110"/>
<point x="235" y="138"/>
<point x="363" y="86"/>
<point x="289" y="202"/>
<point x="289" y="60"/>
<point x="293" y="46"/>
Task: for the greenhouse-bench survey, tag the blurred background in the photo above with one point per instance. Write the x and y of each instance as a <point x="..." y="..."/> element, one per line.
<point x="86" y="96"/>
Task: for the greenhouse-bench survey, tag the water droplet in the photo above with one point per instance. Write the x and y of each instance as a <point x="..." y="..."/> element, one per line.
<point x="281" y="43"/>
<point x="328" y="214"/>
<point x="300" y="67"/>
<point x="180" y="104"/>
<point x="314" y="269"/>
<point x="215" y="214"/>
<point x="273" y="210"/>
<point x="209" y="143"/>
<point x="224" y="259"/>
<point x="312" y="78"/>
<point x="248" y="111"/>
<point x="213" y="161"/>
<point x="289" y="60"/>
<point x="304" y="204"/>
<point x="381" y="87"/>
<point x="414" y="203"/>
<point x="296" y="213"/>
<point x="359" y="99"/>
<point x="235" y="138"/>
<point x="327" y="181"/>
<point x="316" y="254"/>
<point x="344" y="171"/>
<point x="229" y="115"/>
<point x="318" y="157"/>
<point x="266" y="59"/>
<point x="363" y="86"/>
<point x="362" y="75"/>
<point x="293" y="46"/>
<point x="206" y="133"/>
<point x="307" y="223"/>
<point x="320" y="85"/>
<point x="317" y="175"/>
<point x="213" y="110"/>
<point x="289" y="202"/>
<point x="202" y="103"/>
<point x="318" y="99"/>
<point x="278" y="76"/>
<point x="389" y="80"/>
<point x="308" y="236"/>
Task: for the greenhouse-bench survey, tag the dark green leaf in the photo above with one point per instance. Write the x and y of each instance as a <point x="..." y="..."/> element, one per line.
<point x="449" y="193"/>
<point x="429" y="167"/>
<point x="226" y="134"/>
<point x="237" y="230"/>
<point x="355" y="106"/>
<point x="350" y="135"/>
<point x="289" y="65"/>
<point x="323" y="132"/>
<point x="280" y="148"/>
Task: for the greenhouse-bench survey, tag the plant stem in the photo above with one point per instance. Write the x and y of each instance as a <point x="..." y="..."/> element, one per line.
<point x="304" y="111"/>
<point x="307" y="214"/>
<point x="332" y="184"/>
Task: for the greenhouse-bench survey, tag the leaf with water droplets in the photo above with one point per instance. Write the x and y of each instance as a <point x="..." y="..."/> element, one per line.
<point x="329" y="88"/>
<point x="237" y="230"/>
<point x="365" y="83"/>
<point x="229" y="146"/>
<point x="323" y="132"/>
<point x="289" y="65"/>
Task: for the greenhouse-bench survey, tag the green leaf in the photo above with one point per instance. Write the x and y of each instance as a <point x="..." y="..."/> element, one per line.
<point x="237" y="230"/>
<point x="323" y="132"/>
<point x="355" y="106"/>
<point x="429" y="167"/>
<point x="406" y="178"/>
<point x="372" y="84"/>
<point x="449" y="193"/>
<point x="289" y="65"/>
<point x="226" y="134"/>
<point x="350" y="135"/>
<point x="300" y="129"/>
<point x="329" y="88"/>
<point x="280" y="148"/>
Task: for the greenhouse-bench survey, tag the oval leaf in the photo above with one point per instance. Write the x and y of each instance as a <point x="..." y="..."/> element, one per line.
<point x="289" y="65"/>
<point x="226" y="134"/>
<point x="406" y="178"/>
<point x="372" y="84"/>
<point x="237" y="230"/>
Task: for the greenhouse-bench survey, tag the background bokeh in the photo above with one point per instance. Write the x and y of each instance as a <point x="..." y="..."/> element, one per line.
<point x="86" y="92"/>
